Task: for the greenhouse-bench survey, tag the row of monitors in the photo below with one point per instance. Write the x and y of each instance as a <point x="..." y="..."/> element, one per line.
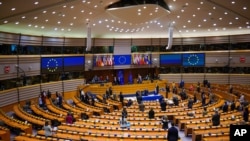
<point x="77" y="63"/>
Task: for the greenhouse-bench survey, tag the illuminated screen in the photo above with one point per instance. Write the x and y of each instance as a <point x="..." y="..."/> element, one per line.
<point x="51" y="64"/>
<point x="122" y="60"/>
<point x="170" y="60"/>
<point x="193" y="59"/>
<point x="103" y="60"/>
<point x="75" y="63"/>
<point x="141" y="59"/>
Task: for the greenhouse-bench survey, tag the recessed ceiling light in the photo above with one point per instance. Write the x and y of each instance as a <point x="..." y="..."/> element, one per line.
<point x="93" y="24"/>
<point x="90" y="13"/>
<point x="240" y="27"/>
<point x="139" y="10"/>
<point x="46" y="20"/>
<point x="36" y="2"/>
<point x="248" y="26"/>
<point x="69" y="29"/>
<point x="139" y="13"/>
<point x="225" y="13"/>
<point x="71" y="24"/>
<point x="82" y="11"/>
<point x="182" y="10"/>
<point x="173" y="22"/>
<point x="58" y="22"/>
<point x="0" y="3"/>
<point x="100" y="22"/>
<point x="214" y="7"/>
<point x="146" y="7"/>
<point x="64" y="6"/>
<point x="5" y="22"/>
<point x="13" y="9"/>
<point x="74" y="18"/>
<point x="72" y="7"/>
<point x="29" y="25"/>
<point x="16" y="22"/>
<point x="44" y="12"/>
<point x="194" y="15"/>
<point x="244" y="8"/>
<point x="209" y="13"/>
<point x="198" y="8"/>
<point x="178" y="16"/>
<point x="186" y="4"/>
<point x="35" y="18"/>
<point x="23" y="17"/>
<point x="214" y="24"/>
<point x="55" y="28"/>
<point x="224" y="28"/>
<point x="247" y="22"/>
<point x="230" y="23"/>
<point x="187" y="30"/>
<point x="54" y="12"/>
<point x="62" y="29"/>
<point x="201" y="2"/>
<point x="204" y="20"/>
<point x="216" y="29"/>
<point x="88" y="2"/>
<point x="194" y="30"/>
<point x="189" y="21"/>
<point x="220" y="18"/>
<point x="236" y="18"/>
<point x="184" y="26"/>
<point x="179" y="30"/>
<point x="208" y="30"/>
<point x="150" y="14"/>
<point x="42" y="27"/>
<point x="83" y="1"/>
<point x="233" y="2"/>
<point x="199" y="25"/>
<point x="95" y="6"/>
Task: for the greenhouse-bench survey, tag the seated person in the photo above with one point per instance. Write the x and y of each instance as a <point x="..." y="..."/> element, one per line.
<point x="130" y="102"/>
<point x="124" y="123"/>
<point x="216" y="119"/>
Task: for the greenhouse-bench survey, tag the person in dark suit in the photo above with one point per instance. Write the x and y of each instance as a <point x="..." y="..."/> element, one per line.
<point x="163" y="105"/>
<point x="151" y="114"/>
<point x="225" y="107"/>
<point x="121" y="98"/>
<point x="246" y="114"/>
<point x="141" y="107"/>
<point x="232" y="106"/>
<point x="164" y="122"/>
<point x="190" y="103"/>
<point x="216" y="119"/>
<point x="172" y="133"/>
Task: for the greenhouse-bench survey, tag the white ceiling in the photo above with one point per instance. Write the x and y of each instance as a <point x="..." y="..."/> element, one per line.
<point x="69" y="18"/>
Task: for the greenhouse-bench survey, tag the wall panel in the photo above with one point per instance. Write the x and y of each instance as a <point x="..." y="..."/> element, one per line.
<point x="8" y="97"/>
<point x="53" y="87"/>
<point x="71" y="85"/>
<point x="141" y="42"/>
<point x="29" y="92"/>
<point x="103" y="42"/>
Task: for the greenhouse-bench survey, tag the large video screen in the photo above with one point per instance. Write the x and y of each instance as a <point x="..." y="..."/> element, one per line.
<point x="122" y="60"/>
<point x="103" y="60"/>
<point x="193" y="59"/>
<point x="51" y="64"/>
<point x="74" y="63"/>
<point x="141" y="59"/>
<point x="170" y="60"/>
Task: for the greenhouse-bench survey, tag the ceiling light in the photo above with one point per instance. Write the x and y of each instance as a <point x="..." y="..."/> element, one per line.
<point x="209" y="13"/>
<point x="74" y="18"/>
<point x="182" y="10"/>
<point x="53" y="12"/>
<point x="93" y="24"/>
<point x="225" y="13"/>
<point x="220" y="18"/>
<point x="46" y="20"/>
<point x="214" y="7"/>
<point x="240" y="27"/>
<point x="44" y="11"/>
<point x="208" y="30"/>
<point x="69" y="29"/>
<point x="194" y="30"/>
<point x="204" y="20"/>
<point x="29" y="25"/>
<point x="189" y="21"/>
<point x="95" y="6"/>
<point x="90" y="13"/>
<point x="16" y="22"/>
<point x="84" y="1"/>
<point x="82" y="11"/>
<point x="178" y="17"/>
<point x="230" y="23"/>
<point x="194" y="15"/>
<point x="236" y="18"/>
<point x="139" y="13"/>
<point x="71" y="24"/>
<point x="5" y="22"/>
<point x="186" y="4"/>
<point x="58" y="22"/>
<point x="139" y="10"/>
<point x="100" y="22"/>
<point x="72" y="7"/>
<point x="214" y="24"/>
<point x="144" y="7"/>
<point x="13" y="9"/>
<point x="201" y="2"/>
<point x="36" y="2"/>
<point x="187" y="31"/>
<point x="0" y="3"/>
<point x="216" y="29"/>
<point x="173" y="22"/>
<point x="199" y="25"/>
<point x="244" y="8"/>
<point x="224" y="28"/>
<point x="23" y="17"/>
<point x="35" y="18"/>
<point x="247" y="22"/>
<point x="36" y="26"/>
<point x="248" y="26"/>
<point x="55" y="29"/>
<point x="64" y="6"/>
<point x="184" y="26"/>
<point x="62" y="29"/>
<point x="179" y="30"/>
<point x="198" y="8"/>
<point x="88" y="2"/>
<point x="150" y="14"/>
<point x="42" y="27"/>
<point x="233" y="2"/>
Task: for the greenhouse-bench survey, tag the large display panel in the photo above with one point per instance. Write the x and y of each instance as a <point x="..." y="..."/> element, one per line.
<point x="51" y="64"/>
<point x="193" y="60"/>
<point x="170" y="60"/>
<point x="141" y="59"/>
<point x="73" y="63"/>
<point x="103" y="60"/>
<point x="122" y="60"/>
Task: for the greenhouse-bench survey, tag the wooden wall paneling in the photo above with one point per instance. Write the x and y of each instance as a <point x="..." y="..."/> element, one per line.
<point x="240" y="79"/>
<point x="155" y="41"/>
<point x="31" y="40"/>
<point x="11" y="61"/>
<point x="53" y="87"/>
<point x="75" y="42"/>
<point x="217" y="78"/>
<point x="71" y="85"/>
<point x="155" y="59"/>
<point x="217" y="40"/>
<point x="103" y="42"/>
<point x="29" y="92"/>
<point x="193" y="78"/>
<point x="171" y="77"/>
<point x="9" y="38"/>
<point x="240" y="38"/>
<point x="236" y="59"/>
<point x="30" y="64"/>
<point x="122" y="42"/>
<point x="141" y="42"/>
<point x="216" y="59"/>
<point x="164" y="41"/>
<point x="52" y="41"/>
<point x="177" y="41"/>
<point x="193" y="41"/>
<point x="8" y="97"/>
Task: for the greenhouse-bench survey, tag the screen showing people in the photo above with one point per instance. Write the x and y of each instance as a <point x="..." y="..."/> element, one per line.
<point x="103" y="60"/>
<point x="141" y="59"/>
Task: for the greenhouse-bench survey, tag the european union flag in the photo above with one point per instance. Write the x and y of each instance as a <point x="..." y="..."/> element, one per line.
<point x="122" y="60"/>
